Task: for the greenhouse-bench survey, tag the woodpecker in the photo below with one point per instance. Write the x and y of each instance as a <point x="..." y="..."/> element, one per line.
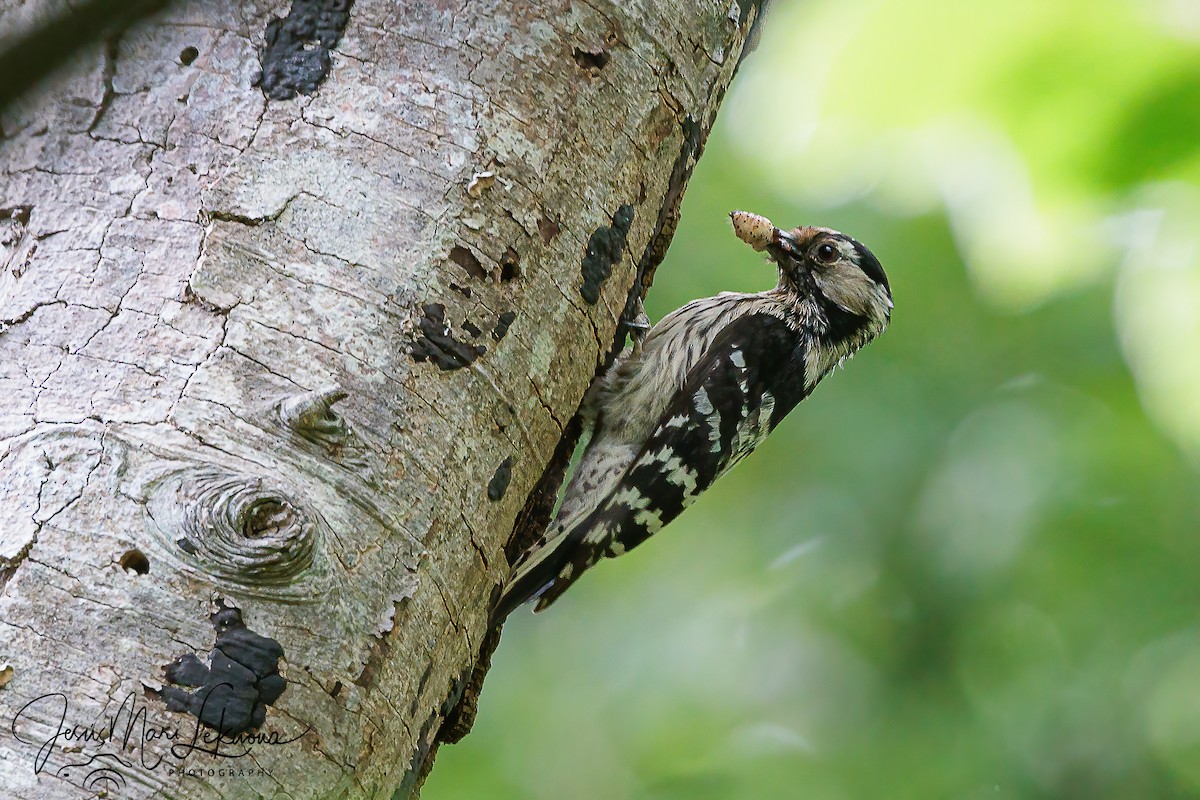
<point x="698" y="392"/>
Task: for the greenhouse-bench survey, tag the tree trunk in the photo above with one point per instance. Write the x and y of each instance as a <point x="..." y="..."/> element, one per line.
<point x="296" y="305"/>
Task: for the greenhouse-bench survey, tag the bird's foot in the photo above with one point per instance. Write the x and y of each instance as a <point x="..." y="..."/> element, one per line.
<point x="638" y="325"/>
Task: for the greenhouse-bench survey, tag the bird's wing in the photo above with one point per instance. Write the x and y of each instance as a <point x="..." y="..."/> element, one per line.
<point x="750" y="377"/>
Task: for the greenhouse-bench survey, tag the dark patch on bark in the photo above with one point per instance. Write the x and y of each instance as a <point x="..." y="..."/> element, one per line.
<point x="412" y="708"/>
<point x="188" y="55"/>
<point x="461" y="717"/>
<point x="295" y="57"/>
<point x="510" y="266"/>
<point x="18" y="214"/>
<point x="604" y="249"/>
<point x="6" y="574"/>
<point x="420" y="763"/>
<point x="467" y="260"/>
<point x="241" y="679"/>
<point x="454" y="693"/>
<point x="375" y="659"/>
<point x="592" y="60"/>
<point x="437" y="342"/>
<point x="428" y="740"/>
<point x="471" y="328"/>
<point x="498" y="485"/>
<point x="548" y="228"/>
<point x="135" y="561"/>
<point x="504" y="322"/>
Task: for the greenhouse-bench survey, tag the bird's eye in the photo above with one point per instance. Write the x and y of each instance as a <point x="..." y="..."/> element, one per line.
<point x="826" y="253"/>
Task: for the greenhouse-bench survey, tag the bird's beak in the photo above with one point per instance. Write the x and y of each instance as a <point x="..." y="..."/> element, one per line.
<point x="784" y="250"/>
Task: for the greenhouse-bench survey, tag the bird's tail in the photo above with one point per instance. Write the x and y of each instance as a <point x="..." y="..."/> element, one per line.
<point x="539" y="572"/>
<point x="547" y="569"/>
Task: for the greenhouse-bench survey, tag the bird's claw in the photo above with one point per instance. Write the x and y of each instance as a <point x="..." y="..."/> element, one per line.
<point x="638" y="325"/>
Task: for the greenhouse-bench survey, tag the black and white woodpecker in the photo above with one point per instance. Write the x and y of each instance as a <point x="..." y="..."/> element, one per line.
<point x="703" y="388"/>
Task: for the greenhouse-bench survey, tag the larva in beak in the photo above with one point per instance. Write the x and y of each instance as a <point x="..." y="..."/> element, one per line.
<point x="754" y="229"/>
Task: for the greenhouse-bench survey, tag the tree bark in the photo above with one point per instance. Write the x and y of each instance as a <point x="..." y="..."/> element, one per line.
<point x="296" y="307"/>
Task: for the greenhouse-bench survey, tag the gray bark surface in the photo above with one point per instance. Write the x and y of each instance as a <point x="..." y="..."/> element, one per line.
<point x="309" y="357"/>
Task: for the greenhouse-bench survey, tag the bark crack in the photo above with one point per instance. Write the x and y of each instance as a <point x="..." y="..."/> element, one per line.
<point x="108" y="72"/>
<point x="546" y="406"/>
<point x="10" y="322"/>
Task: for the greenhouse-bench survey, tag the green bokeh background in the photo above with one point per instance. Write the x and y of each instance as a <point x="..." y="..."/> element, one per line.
<point x="968" y="566"/>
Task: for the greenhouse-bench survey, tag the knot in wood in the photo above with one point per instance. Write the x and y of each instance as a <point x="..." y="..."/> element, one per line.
<point x="241" y="531"/>
<point x="312" y="415"/>
<point x="267" y="517"/>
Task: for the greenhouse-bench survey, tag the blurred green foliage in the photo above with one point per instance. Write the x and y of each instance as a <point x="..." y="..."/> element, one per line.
<point x="969" y="565"/>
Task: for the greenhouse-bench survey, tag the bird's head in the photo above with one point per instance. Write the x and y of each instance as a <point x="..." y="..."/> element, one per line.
<point x="833" y="275"/>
